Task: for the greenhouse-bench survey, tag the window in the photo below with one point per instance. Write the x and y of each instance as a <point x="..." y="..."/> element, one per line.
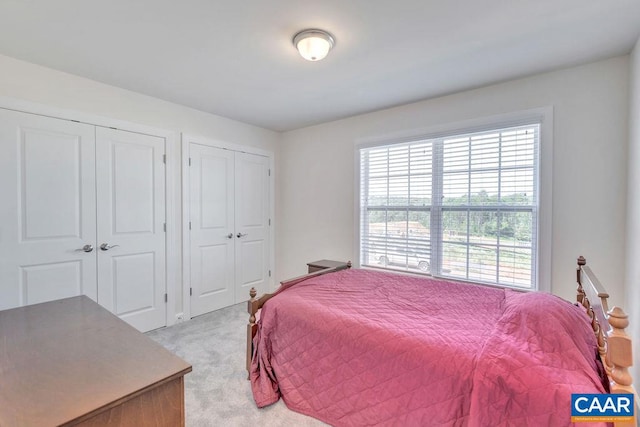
<point x="464" y="206"/>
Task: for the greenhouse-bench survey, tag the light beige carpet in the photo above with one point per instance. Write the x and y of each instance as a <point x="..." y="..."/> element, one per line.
<point x="217" y="392"/>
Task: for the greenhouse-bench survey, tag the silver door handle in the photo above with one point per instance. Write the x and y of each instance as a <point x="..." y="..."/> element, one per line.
<point x="239" y="235"/>
<point x="85" y="248"/>
<point x="106" y="246"/>
<point x="230" y="236"/>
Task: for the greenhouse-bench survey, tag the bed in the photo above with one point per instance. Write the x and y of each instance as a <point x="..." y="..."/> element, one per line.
<point x="364" y="347"/>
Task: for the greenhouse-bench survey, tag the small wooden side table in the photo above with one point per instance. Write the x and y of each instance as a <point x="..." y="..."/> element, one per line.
<point x="325" y="263"/>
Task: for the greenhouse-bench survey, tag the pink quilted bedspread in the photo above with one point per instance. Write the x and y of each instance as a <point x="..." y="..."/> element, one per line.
<point x="361" y="347"/>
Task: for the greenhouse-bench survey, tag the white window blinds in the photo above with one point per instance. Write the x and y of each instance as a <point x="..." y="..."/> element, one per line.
<point x="463" y="206"/>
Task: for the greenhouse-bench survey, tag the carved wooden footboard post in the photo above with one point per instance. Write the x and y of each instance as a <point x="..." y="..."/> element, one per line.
<point x="251" y="327"/>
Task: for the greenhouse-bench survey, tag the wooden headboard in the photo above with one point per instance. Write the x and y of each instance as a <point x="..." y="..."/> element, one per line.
<point x="614" y="345"/>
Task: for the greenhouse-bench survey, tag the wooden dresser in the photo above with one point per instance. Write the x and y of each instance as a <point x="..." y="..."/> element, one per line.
<point x="71" y="362"/>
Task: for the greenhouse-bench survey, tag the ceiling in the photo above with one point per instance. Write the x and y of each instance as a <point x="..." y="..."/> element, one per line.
<point x="235" y="58"/>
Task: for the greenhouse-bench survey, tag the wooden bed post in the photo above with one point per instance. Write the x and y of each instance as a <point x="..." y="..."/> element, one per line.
<point x="619" y="359"/>
<point x="251" y="327"/>
<point x="614" y="345"/>
<point x="619" y="356"/>
<point x="580" y="291"/>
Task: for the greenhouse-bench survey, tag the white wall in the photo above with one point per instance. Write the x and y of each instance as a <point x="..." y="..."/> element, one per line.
<point x="316" y="172"/>
<point x="633" y="212"/>
<point x="28" y="82"/>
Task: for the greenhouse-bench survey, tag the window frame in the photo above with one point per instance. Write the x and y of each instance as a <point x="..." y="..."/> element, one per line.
<point x="544" y="116"/>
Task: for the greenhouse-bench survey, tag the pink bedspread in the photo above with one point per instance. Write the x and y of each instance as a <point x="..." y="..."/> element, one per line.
<point x="361" y="347"/>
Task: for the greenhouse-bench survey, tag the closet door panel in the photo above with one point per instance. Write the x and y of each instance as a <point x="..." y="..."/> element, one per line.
<point x="130" y="183"/>
<point x="48" y="213"/>
<point x="252" y="224"/>
<point x="211" y="238"/>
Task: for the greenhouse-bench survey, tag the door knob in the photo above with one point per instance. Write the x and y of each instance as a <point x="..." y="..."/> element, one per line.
<point x="106" y="246"/>
<point x="85" y="248"/>
<point x="239" y="235"/>
<point x="230" y="236"/>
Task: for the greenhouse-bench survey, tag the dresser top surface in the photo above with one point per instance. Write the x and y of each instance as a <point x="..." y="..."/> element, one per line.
<point x="62" y="359"/>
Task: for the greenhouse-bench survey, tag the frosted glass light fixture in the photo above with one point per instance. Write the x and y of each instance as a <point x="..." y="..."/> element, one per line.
<point x="313" y="45"/>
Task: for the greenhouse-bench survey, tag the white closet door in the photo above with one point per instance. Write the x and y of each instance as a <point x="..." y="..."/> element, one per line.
<point x="47" y="213"/>
<point x="211" y="193"/>
<point x="130" y="188"/>
<point x="252" y="224"/>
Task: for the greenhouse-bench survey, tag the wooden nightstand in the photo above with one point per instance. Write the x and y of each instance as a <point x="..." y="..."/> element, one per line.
<point x="325" y="263"/>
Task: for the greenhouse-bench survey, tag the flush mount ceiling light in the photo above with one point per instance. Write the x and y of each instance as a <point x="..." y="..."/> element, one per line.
<point x="313" y="45"/>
